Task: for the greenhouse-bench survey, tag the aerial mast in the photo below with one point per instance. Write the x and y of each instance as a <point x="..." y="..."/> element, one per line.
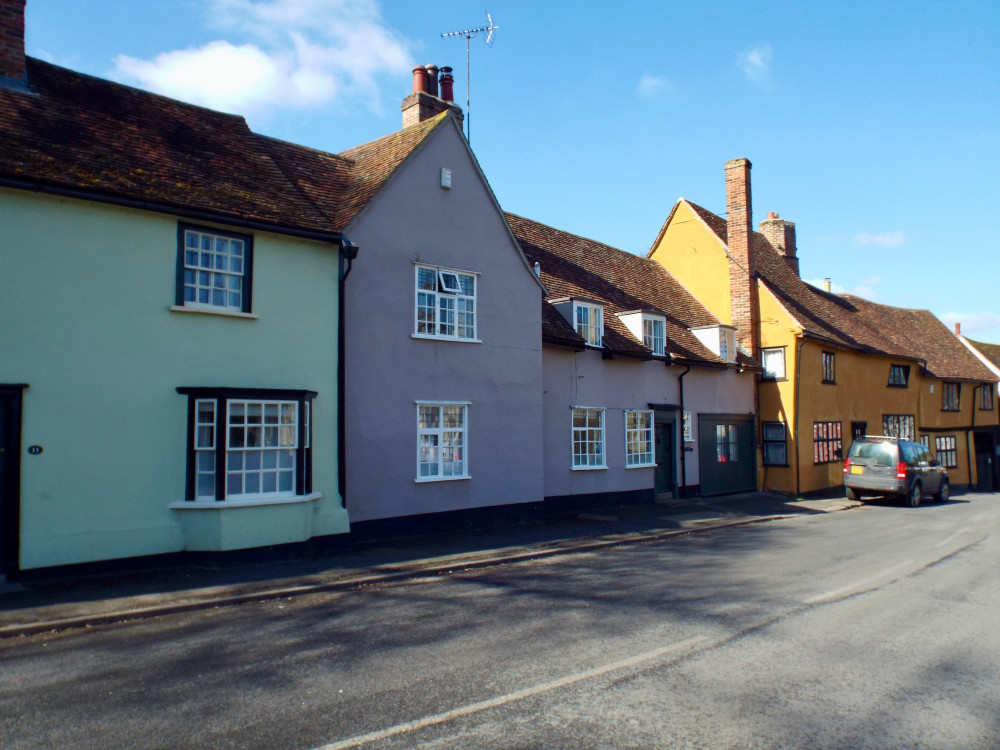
<point x="488" y="29"/>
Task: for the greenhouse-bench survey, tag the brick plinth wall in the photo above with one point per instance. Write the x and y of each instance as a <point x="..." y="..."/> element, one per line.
<point x="745" y="307"/>
<point x="12" y="40"/>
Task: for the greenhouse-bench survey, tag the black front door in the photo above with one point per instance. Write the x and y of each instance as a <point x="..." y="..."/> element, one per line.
<point x="985" y="458"/>
<point x="10" y="504"/>
<point x="664" y="437"/>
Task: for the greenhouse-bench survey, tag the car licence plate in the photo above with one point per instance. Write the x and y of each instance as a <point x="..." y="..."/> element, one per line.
<point x="857" y="470"/>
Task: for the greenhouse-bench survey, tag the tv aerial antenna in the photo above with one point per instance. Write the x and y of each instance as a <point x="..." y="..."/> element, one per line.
<point x="489" y="29"/>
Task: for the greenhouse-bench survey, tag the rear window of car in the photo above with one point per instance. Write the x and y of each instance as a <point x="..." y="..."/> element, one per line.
<point x="883" y="454"/>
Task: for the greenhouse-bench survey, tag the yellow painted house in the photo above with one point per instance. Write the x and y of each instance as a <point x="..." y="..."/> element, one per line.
<point x="835" y="366"/>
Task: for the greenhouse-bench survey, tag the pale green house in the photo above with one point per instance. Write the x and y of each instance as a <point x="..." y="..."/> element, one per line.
<point x="169" y="341"/>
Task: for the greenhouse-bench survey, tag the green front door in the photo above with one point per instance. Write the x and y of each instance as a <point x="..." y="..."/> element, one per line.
<point x="727" y="457"/>
<point x="664" y="436"/>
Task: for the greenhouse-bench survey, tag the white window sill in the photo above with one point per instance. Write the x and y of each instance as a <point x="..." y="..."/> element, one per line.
<point x="428" y="337"/>
<point x="224" y="312"/>
<point x="589" y="468"/>
<point x="424" y="480"/>
<point x="641" y="466"/>
<point x="244" y="502"/>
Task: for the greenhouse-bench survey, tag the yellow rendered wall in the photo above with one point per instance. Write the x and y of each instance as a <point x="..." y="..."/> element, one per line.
<point x="694" y="255"/>
<point x="777" y="397"/>
<point x="930" y="393"/>
<point x="861" y="393"/>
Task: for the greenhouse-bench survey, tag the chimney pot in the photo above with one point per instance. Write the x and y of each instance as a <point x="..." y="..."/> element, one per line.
<point x="432" y="79"/>
<point x="12" y="61"/>
<point x="958" y="328"/>
<point x="772" y="215"/>
<point x="826" y="284"/>
<point x="447" y="84"/>
<point x="419" y="79"/>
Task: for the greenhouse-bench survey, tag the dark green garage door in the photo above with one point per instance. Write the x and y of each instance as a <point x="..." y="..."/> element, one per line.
<point x="728" y="460"/>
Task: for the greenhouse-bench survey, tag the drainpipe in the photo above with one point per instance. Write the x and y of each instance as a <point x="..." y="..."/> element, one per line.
<point x="798" y="377"/>
<point x="680" y="383"/>
<point x="971" y="432"/>
<point x="348" y="253"/>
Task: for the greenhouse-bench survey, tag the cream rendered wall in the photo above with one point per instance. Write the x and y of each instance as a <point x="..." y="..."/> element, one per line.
<point x="84" y="297"/>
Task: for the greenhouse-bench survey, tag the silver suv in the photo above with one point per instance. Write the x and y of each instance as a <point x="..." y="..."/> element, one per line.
<point x="889" y="466"/>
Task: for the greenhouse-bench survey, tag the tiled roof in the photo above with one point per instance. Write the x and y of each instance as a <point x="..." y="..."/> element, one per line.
<point x="573" y="266"/>
<point x="341" y="185"/>
<point x="920" y="331"/>
<point x="80" y="133"/>
<point x="83" y="133"/>
<point x="990" y="351"/>
<point x="853" y="321"/>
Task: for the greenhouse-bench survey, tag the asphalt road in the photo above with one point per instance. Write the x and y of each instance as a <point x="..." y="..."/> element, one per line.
<point x="868" y="628"/>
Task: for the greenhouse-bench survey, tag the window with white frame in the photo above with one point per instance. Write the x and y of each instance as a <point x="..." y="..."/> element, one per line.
<point x="248" y="443"/>
<point x="588" y="438"/>
<point x="589" y="322"/>
<point x="773" y="360"/>
<point x="445" y="303"/>
<point x="639" y="438"/>
<point x="442" y="441"/>
<point x="213" y="269"/>
<point x="654" y="334"/>
<point x="727" y="344"/>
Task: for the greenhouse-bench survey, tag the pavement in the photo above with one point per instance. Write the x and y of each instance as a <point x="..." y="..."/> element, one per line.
<point x="81" y="602"/>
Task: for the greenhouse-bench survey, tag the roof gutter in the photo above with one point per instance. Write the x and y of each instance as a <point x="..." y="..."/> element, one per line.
<point x="165" y="208"/>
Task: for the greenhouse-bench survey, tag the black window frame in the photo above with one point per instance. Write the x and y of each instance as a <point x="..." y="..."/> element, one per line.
<point x="946" y="450"/>
<point x="774" y="442"/>
<point x="949" y="389"/>
<point x="858" y="430"/>
<point x="904" y="372"/>
<point x="986" y="397"/>
<point x="221" y="396"/>
<point x="828" y="439"/>
<point x="829" y="363"/>
<point x="900" y="421"/>
<point x="246" y="293"/>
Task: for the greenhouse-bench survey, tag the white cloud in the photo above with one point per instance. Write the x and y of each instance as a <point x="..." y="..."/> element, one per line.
<point x="756" y="63"/>
<point x="278" y="53"/>
<point x="882" y="239"/>
<point x="651" y="86"/>
<point x="972" y="322"/>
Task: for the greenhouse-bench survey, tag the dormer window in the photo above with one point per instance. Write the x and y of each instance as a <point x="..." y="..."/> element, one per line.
<point x="589" y="322"/>
<point x="720" y="340"/>
<point x="648" y="327"/>
<point x="654" y="334"/>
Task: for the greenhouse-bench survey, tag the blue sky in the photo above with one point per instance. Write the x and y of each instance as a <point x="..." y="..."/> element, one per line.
<point x="874" y="126"/>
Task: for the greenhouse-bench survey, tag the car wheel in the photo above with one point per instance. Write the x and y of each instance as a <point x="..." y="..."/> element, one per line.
<point x="853" y="494"/>
<point x="913" y="498"/>
<point x="944" y="492"/>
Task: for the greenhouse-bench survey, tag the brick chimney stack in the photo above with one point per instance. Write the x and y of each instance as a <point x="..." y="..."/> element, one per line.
<point x="424" y="102"/>
<point x="958" y="328"/>
<point x="745" y="307"/>
<point x="12" y="61"/>
<point x="781" y="234"/>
